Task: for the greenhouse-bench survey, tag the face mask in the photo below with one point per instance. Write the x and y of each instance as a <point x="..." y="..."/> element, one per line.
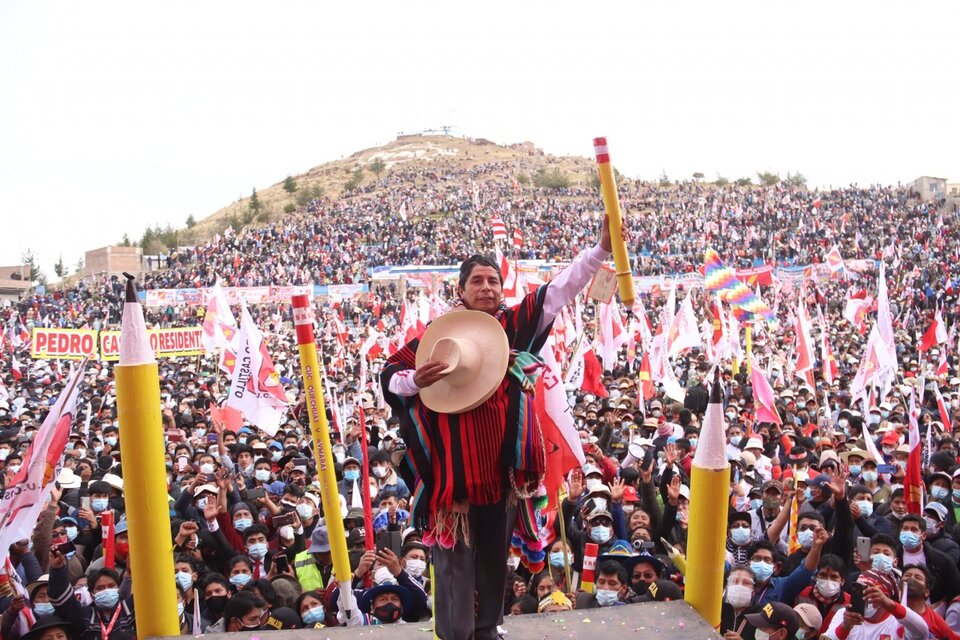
<point x="939" y="493"/>
<point x="909" y="539"/>
<point x="262" y="475"/>
<point x="932" y="526"/>
<point x="216" y="605"/>
<point x="808" y="493"/>
<point x="735" y="440"/>
<point x="286" y="532"/>
<point x="352" y="475"/>
<point x="314" y="616"/>
<point x="761" y="635"/>
<point x="828" y="588"/>
<point x="99" y="504"/>
<point x="201" y="432"/>
<point x="607" y="597"/>
<point x="107" y="598"/>
<point x="557" y="559"/>
<point x="380" y="472"/>
<point x="72" y="533"/>
<point x="593" y="483"/>
<point x="4" y="453"/>
<point x="869" y="611"/>
<point x="869" y="476"/>
<point x="97" y="448"/>
<point x="13" y="468"/>
<point x="241" y="579"/>
<point x="600" y="535"/>
<point x="855" y="470"/>
<point x="416" y="567"/>
<point x="276" y="455"/>
<point x="305" y="511"/>
<point x="258" y="550"/>
<point x="874" y="419"/>
<point x="956" y="494"/>
<point x="771" y="503"/>
<point x="184" y="579"/>
<point x="202" y="504"/>
<point x="513" y="562"/>
<point x="43" y="609"/>
<point x="880" y="562"/>
<point x="805" y="538"/>
<point x="738" y="595"/>
<point x="111" y="441"/>
<point x="179" y="609"/>
<point x="243" y="440"/>
<point x="387" y="613"/>
<point x="887" y="451"/>
<point x="756" y="503"/>
<point x="693" y="443"/>
<point x="82" y="452"/>
<point x="740" y="536"/>
<point x="206" y="468"/>
<point x="382" y="575"/>
<point x="762" y="570"/>
<point x="242" y="524"/>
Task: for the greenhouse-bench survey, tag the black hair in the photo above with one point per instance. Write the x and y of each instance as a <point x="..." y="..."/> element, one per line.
<point x="100" y="573"/>
<point x="217" y="578"/>
<point x="913" y="517"/>
<point x="766" y="544"/>
<point x="255" y="529"/>
<point x="527" y="604"/>
<point x="265" y="587"/>
<point x="240" y="605"/>
<point x="315" y="593"/>
<point x="612" y="567"/>
<point x="812" y="515"/>
<point x="832" y="561"/>
<point x="883" y="538"/>
<point x="477" y="260"/>
<point x="537" y="579"/>
<point x="926" y="572"/>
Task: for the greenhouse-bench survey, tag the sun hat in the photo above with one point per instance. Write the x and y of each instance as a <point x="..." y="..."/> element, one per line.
<point x="476" y="350"/>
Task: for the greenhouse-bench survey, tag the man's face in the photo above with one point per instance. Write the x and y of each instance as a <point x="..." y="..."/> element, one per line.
<point x="826" y="573"/>
<point x="898" y="505"/>
<point x="610" y="583"/>
<point x="386" y="598"/>
<point x="644" y="572"/>
<point x="482" y="290"/>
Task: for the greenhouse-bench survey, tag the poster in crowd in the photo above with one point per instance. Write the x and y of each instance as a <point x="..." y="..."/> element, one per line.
<point x="63" y="344"/>
<point x="76" y="344"/>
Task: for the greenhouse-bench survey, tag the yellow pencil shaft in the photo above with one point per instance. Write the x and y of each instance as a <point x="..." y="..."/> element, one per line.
<point x="323" y="454"/>
<point x="611" y="202"/>
<point x="748" y="340"/>
<point x="433" y="592"/>
<point x="145" y="492"/>
<point x="706" y="536"/>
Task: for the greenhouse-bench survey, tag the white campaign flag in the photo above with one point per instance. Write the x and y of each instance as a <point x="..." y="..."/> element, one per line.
<point x="255" y="389"/>
<point x="27" y="494"/>
<point x="219" y="325"/>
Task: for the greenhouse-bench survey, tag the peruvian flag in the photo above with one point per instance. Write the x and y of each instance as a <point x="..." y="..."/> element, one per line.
<point x="913" y="481"/>
<point x="499" y="228"/>
<point x="804" y="342"/>
<point x="856" y="309"/>
<point x="561" y="441"/>
<point x="942" y="364"/>
<point x="942" y="408"/>
<point x="410" y="324"/>
<point x="646" y="328"/>
<point x="517" y="239"/>
<point x="828" y="363"/>
<point x="255" y="389"/>
<point x="936" y="334"/>
<point x="645" y="378"/>
<point x="763" y="400"/>
<point x="612" y="334"/>
<point x="509" y="279"/>
<point x="15" y="368"/>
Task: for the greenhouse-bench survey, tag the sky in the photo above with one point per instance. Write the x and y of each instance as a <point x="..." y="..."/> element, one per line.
<point x="115" y="116"/>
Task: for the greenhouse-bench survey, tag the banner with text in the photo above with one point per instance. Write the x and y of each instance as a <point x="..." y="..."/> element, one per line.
<point x="166" y="343"/>
<point x="63" y="344"/>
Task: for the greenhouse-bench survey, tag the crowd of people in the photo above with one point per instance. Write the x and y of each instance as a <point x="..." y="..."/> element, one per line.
<point x="819" y="537"/>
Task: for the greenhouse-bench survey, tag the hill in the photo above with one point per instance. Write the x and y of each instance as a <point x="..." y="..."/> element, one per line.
<point x="370" y="168"/>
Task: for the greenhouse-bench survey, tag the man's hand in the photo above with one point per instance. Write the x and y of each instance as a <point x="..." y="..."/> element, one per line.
<point x="646" y="473"/>
<point x="88" y="515"/>
<point x="821" y="537"/>
<point x="855" y="512"/>
<point x="876" y="598"/>
<point x="574" y="486"/>
<point x="390" y="560"/>
<point x="57" y="559"/>
<point x="209" y="511"/>
<point x="616" y="490"/>
<point x="851" y="619"/>
<point x="673" y="490"/>
<point x="187" y="530"/>
<point x="430" y="372"/>
<point x="366" y="561"/>
<point x="670" y="454"/>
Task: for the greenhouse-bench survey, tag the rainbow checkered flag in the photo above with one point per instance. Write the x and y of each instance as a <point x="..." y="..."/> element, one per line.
<point x="746" y="305"/>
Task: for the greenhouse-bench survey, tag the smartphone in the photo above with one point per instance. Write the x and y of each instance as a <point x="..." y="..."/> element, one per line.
<point x="211" y="437"/>
<point x="301" y="462"/>
<point x="67" y="548"/>
<point x="85" y="503"/>
<point x="184" y="463"/>
<point x="886" y="468"/>
<point x="281" y="562"/>
<point x="282" y="520"/>
<point x="211" y="477"/>
<point x="857" y="603"/>
<point x="390" y="540"/>
<point x="863" y="548"/>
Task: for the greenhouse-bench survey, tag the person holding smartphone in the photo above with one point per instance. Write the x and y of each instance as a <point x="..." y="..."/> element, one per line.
<point x="882" y="616"/>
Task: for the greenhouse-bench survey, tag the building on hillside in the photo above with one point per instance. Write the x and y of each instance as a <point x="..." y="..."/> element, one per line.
<point x="953" y="189"/>
<point x="113" y="261"/>
<point x="929" y="188"/>
<point x="14" y="281"/>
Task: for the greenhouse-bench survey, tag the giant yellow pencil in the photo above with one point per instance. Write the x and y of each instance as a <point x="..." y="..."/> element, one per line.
<point x="611" y="202"/>
<point x="145" y="476"/>
<point x="709" y="497"/>
<point x="320" y="430"/>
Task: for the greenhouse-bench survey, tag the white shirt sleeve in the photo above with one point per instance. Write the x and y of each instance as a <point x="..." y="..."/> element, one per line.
<point x="402" y="383"/>
<point x="915" y="625"/>
<point x="569" y="282"/>
<point x="835" y="623"/>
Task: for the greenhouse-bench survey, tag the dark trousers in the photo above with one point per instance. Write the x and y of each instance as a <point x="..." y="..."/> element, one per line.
<point x="479" y="569"/>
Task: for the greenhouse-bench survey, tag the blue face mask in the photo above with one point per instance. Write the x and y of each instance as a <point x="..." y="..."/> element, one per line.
<point x="735" y="440"/>
<point x="740" y="536"/>
<point x="72" y="533"/>
<point x="808" y="493"/>
<point x="869" y="476"/>
<point x="179" y="609"/>
<point x="762" y="570"/>
<point x="956" y="494"/>
<point x="756" y="503"/>
<point x="855" y="470"/>
<point x="275" y="455"/>
<point x="107" y="598"/>
<point x="600" y="535"/>
<point x="184" y="579"/>
<point x="805" y="538"/>
<point x="880" y="562"/>
<point x="262" y="474"/>
<point x="242" y="524"/>
<point x="352" y="475"/>
<point x="606" y="597"/>
<point x="557" y="558"/>
<point x="314" y="616"/>
<point x="258" y="550"/>
<point x="910" y="540"/>
<point x="240" y="580"/>
<point x="99" y="504"/>
<point x="939" y="493"/>
<point x="43" y="609"/>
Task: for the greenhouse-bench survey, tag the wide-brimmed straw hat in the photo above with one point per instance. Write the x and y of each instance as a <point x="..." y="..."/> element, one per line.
<point x="476" y="350"/>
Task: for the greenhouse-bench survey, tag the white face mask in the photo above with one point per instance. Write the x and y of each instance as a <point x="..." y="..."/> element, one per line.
<point x="738" y="595"/>
<point x="416" y="567"/>
<point x="382" y="575"/>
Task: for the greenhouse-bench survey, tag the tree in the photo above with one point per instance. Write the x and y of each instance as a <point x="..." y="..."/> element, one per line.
<point x="664" y="179"/>
<point x="58" y="268"/>
<point x="125" y="242"/>
<point x="80" y="264"/>
<point x="721" y="181"/>
<point x="796" y="179"/>
<point x="29" y="258"/>
<point x="191" y="221"/>
<point x="744" y="182"/>
<point x="377" y="166"/>
<point x="254" y="204"/>
<point x="523" y="179"/>
<point x="697" y="176"/>
<point x="289" y="207"/>
<point x="289" y="184"/>
<point x="551" y="178"/>
<point x="768" y="178"/>
<point x="356" y="179"/>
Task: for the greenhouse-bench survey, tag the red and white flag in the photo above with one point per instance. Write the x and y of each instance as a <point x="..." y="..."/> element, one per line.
<point x="499" y="228"/>
<point x="20" y="510"/>
<point x="942" y="408"/>
<point x="805" y="357"/>
<point x="403" y="211"/>
<point x="517" y="239"/>
<point x="219" y="325"/>
<point x="612" y="334"/>
<point x="913" y="480"/>
<point x="834" y="260"/>
<point x="683" y="333"/>
<point x="828" y="363"/>
<point x="15" y="368"/>
<point x="763" y="400"/>
<point x="509" y="274"/>
<point x="255" y="389"/>
<point x="935" y="334"/>
<point x="942" y="368"/>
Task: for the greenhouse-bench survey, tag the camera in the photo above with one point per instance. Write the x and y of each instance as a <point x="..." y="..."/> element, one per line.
<point x="643" y="545"/>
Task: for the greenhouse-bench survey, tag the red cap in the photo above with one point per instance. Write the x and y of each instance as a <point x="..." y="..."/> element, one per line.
<point x="630" y="494"/>
<point x="890" y="437"/>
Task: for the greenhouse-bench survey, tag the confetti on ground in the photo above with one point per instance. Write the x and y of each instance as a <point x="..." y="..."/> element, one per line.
<point x="587" y="620"/>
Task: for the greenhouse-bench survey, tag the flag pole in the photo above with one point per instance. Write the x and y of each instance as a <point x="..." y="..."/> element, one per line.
<point x="145" y="484"/>
<point x="563" y="538"/>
